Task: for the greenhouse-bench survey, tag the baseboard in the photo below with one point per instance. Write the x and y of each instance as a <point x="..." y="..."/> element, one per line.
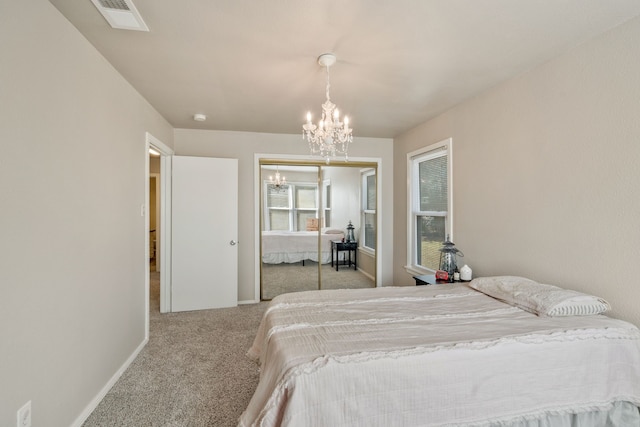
<point x="98" y="398"/>
<point x="367" y="274"/>
<point x="248" y="302"/>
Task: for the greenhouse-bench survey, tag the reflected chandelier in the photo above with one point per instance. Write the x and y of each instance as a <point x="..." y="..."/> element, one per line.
<point x="279" y="183"/>
<point x="330" y="136"/>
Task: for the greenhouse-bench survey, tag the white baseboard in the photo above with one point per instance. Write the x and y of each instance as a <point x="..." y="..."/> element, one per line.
<point x="98" y="398"/>
<point x="248" y="302"/>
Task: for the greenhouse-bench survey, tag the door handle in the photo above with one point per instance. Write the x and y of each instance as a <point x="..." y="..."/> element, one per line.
<point x="233" y="243"/>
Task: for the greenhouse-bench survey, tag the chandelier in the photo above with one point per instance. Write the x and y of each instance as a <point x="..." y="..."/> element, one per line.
<point x="279" y="183"/>
<point x="330" y="136"/>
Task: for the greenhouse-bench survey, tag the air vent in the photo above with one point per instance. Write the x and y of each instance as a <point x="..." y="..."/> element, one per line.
<point x="121" y="14"/>
<point x="114" y="4"/>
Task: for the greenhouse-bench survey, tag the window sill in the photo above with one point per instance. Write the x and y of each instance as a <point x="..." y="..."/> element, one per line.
<point x="367" y="251"/>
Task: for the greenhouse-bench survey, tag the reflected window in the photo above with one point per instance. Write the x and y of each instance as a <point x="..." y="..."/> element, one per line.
<point x="368" y="238"/>
<point x="326" y="200"/>
<point x="287" y="209"/>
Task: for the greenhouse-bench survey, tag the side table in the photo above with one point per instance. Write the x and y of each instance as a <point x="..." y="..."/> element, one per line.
<point x="337" y="246"/>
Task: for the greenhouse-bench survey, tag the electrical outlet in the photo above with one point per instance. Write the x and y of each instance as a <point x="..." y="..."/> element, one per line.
<point x="24" y="415"/>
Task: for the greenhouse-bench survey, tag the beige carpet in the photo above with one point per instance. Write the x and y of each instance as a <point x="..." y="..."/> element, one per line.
<point x="282" y="278"/>
<point x="193" y="372"/>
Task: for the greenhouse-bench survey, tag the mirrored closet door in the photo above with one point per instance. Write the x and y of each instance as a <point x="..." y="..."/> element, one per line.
<point x="317" y="226"/>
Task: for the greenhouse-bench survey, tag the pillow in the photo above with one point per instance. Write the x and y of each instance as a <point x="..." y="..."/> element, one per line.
<point x="543" y="300"/>
<point x="327" y="230"/>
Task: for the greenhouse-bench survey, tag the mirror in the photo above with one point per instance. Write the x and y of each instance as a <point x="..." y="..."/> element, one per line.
<point x="303" y="224"/>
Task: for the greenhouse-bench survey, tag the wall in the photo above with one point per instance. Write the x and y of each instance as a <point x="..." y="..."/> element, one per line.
<point x="72" y="179"/>
<point x="545" y="173"/>
<point x="244" y="146"/>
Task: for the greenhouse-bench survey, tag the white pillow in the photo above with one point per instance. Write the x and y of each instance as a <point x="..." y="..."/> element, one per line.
<point x="332" y="231"/>
<point x="543" y="300"/>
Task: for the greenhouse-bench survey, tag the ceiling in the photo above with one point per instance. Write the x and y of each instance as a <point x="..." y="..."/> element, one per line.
<point x="251" y="65"/>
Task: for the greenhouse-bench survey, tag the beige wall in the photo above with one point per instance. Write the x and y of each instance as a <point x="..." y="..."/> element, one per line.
<point x="546" y="173"/>
<point x="243" y="146"/>
<point x="72" y="178"/>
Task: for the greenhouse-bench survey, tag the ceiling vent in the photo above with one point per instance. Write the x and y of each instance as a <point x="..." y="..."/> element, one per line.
<point x="121" y="14"/>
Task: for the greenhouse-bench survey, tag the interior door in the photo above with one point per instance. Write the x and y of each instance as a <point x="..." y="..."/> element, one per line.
<point x="204" y="231"/>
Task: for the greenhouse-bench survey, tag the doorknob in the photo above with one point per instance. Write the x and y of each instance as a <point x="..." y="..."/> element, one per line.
<point x="233" y="242"/>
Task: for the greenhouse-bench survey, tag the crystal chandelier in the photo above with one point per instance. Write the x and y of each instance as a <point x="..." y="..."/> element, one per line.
<point x="279" y="183"/>
<point x="330" y="136"/>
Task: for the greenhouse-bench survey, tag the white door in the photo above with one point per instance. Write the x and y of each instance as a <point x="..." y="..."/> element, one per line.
<point x="204" y="232"/>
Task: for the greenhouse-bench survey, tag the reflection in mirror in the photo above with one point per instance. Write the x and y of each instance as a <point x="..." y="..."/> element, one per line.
<point x="352" y="265"/>
<point x="303" y="224"/>
<point x="289" y="242"/>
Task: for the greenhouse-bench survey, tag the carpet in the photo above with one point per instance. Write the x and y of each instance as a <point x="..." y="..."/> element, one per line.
<point x="194" y="371"/>
<point x="283" y="278"/>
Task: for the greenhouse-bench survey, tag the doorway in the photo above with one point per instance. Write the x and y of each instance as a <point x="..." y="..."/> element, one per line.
<point x="154" y="232"/>
<point x="304" y="226"/>
<point x="162" y="218"/>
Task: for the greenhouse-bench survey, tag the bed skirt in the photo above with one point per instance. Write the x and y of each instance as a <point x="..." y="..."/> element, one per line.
<point x="292" y="257"/>
<point x="619" y="414"/>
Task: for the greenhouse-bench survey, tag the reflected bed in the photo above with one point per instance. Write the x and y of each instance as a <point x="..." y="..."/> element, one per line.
<point x="295" y="246"/>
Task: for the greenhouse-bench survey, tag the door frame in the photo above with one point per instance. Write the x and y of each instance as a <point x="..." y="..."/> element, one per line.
<point x="259" y="158"/>
<point x="164" y="243"/>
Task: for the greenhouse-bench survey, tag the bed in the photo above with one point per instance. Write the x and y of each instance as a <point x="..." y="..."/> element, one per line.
<point x="442" y="355"/>
<point x="294" y="246"/>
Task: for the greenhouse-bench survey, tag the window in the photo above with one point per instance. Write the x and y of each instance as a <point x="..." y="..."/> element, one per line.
<point x="288" y="208"/>
<point x="430" y="205"/>
<point x="326" y="200"/>
<point x="368" y="232"/>
<point x="306" y="203"/>
<point x="278" y="208"/>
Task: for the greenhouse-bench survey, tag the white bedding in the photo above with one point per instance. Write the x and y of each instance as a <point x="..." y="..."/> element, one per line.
<point x="295" y="246"/>
<point x="433" y="355"/>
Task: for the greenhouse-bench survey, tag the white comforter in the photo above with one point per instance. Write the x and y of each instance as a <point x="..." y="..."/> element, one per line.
<point x="433" y="355"/>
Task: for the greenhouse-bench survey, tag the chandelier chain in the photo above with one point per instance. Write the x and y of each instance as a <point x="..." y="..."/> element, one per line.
<point x="328" y="85"/>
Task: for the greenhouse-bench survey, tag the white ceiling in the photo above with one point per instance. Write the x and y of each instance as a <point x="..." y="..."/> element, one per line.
<point x="250" y="65"/>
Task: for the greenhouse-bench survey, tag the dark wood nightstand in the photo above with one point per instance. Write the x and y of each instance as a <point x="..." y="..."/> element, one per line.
<point x="339" y="245"/>
<point x="428" y="279"/>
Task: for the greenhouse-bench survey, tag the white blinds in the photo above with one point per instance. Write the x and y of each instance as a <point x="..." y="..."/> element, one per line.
<point x="433" y="184"/>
